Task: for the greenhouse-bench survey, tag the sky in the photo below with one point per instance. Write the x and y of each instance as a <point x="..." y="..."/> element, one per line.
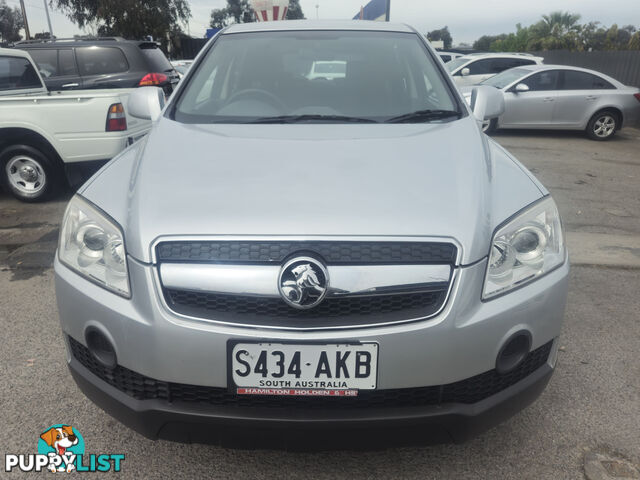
<point x="467" y="19"/>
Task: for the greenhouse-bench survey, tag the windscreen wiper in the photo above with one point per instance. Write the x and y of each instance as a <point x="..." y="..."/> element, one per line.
<point x="423" y="116"/>
<point x="312" y="118"/>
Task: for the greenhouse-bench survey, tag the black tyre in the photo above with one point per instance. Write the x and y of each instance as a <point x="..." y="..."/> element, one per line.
<point x="603" y="125"/>
<point x="27" y="173"/>
<point x="489" y="126"/>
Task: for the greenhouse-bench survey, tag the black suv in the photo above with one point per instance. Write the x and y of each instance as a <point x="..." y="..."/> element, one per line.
<point x="107" y="62"/>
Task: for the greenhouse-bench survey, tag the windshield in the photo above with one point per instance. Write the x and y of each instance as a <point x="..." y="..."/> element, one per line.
<point x="456" y="62"/>
<point x="506" y="78"/>
<point x="315" y="76"/>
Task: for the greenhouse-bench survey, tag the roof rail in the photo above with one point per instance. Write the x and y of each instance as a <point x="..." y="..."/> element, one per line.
<point x="70" y="39"/>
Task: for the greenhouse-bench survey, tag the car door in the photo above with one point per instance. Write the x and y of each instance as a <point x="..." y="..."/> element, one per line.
<point x="578" y="98"/>
<point x="533" y="108"/>
<point x="57" y="67"/>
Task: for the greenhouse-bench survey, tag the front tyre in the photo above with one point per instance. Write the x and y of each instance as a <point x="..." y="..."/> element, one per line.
<point x="603" y="125"/>
<point x="27" y="173"/>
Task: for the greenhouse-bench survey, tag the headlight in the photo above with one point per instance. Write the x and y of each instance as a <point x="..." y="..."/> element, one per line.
<point x="92" y="244"/>
<point x="527" y="247"/>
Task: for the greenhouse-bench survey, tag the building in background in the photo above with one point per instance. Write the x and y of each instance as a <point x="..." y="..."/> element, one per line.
<point x="378" y="10"/>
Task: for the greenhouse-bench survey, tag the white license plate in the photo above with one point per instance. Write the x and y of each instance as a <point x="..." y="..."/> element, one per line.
<point x="304" y="369"/>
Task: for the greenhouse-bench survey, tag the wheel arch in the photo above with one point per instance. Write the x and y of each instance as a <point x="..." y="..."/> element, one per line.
<point x="11" y="136"/>
<point x="610" y="108"/>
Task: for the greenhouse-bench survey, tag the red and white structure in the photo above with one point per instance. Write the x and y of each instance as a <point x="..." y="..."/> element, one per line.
<point x="269" y="10"/>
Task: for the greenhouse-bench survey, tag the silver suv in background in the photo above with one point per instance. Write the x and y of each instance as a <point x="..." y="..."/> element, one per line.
<point x="474" y="68"/>
<point x="339" y="257"/>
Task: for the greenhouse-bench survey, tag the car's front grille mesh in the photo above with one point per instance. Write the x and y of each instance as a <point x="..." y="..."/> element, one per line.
<point x="245" y="310"/>
<point x="470" y="390"/>
<point x="332" y="252"/>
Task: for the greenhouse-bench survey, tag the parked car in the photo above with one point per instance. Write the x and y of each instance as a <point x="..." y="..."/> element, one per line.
<point x="103" y="62"/>
<point x="448" y="56"/>
<point x="328" y="255"/>
<point x="44" y="135"/>
<point x="565" y="98"/>
<point x="476" y="67"/>
<point x="181" y="66"/>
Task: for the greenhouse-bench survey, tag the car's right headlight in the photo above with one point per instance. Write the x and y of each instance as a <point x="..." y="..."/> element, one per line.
<point x="525" y="248"/>
<point x="92" y="244"/>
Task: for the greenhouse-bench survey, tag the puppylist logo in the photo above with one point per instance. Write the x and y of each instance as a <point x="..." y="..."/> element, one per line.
<point x="61" y="449"/>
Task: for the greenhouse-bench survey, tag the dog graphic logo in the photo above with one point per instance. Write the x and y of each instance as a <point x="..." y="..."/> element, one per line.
<point x="63" y="442"/>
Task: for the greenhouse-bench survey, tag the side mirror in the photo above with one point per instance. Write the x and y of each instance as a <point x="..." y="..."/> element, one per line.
<point x="522" y="87"/>
<point x="465" y="71"/>
<point x="486" y="102"/>
<point x="146" y="103"/>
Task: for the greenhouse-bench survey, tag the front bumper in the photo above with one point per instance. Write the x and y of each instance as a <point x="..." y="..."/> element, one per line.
<point x="463" y="341"/>
<point x="295" y="429"/>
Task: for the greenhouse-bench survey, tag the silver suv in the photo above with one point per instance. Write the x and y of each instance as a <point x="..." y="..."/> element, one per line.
<point x="281" y="250"/>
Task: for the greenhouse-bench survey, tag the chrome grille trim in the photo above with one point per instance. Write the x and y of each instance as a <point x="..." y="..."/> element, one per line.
<point x="262" y="280"/>
<point x="165" y="294"/>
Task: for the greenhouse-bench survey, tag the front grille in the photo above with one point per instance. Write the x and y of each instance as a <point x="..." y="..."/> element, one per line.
<point x="332" y="312"/>
<point x="332" y="252"/>
<point x="468" y="391"/>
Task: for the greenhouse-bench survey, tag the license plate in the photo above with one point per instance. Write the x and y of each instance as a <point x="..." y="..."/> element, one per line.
<point x="303" y="369"/>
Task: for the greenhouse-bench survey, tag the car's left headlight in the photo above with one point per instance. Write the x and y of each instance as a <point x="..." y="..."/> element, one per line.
<point x="92" y="244"/>
<point x="526" y="247"/>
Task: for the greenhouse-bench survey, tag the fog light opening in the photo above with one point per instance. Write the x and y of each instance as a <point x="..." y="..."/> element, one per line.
<point x="513" y="352"/>
<point x="101" y="347"/>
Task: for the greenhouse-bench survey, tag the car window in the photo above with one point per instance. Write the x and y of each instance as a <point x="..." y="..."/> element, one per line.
<point x="542" y="81"/>
<point x="67" y="62"/>
<point x="17" y="73"/>
<point x="47" y="61"/>
<point x="156" y="60"/>
<point x="505" y="78"/>
<point x="101" y="60"/>
<point x="445" y="58"/>
<point x="481" y="67"/>
<point x="456" y="63"/>
<point x="574" y="80"/>
<point x="374" y="75"/>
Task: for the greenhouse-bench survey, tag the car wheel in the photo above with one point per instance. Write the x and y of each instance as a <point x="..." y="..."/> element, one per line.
<point x="603" y="125"/>
<point x="27" y="173"/>
<point x="489" y="126"/>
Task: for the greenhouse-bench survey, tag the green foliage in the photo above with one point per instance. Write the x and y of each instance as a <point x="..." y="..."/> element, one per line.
<point x="240" y="11"/>
<point x="443" y="34"/>
<point x="561" y="31"/>
<point x="133" y="19"/>
<point x="10" y="23"/>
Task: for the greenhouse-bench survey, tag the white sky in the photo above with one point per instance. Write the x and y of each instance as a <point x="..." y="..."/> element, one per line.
<point x="467" y="19"/>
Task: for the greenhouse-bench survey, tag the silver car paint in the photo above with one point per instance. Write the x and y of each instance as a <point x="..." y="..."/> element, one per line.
<point x="565" y="109"/>
<point x="433" y="180"/>
<point x="313" y="180"/>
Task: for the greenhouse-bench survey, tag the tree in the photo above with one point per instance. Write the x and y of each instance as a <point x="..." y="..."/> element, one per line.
<point x="132" y="19"/>
<point x="236" y="11"/>
<point x="295" y="11"/>
<point x="11" y="23"/>
<point x="443" y="34"/>
<point x="240" y="11"/>
<point x="634" y="42"/>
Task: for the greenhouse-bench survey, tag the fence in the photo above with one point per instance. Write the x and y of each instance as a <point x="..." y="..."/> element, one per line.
<point x="624" y="66"/>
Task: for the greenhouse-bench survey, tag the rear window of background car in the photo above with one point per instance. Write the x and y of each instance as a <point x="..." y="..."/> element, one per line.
<point x="574" y="80"/>
<point x="156" y="61"/>
<point x="54" y="62"/>
<point x="101" y="60"/>
<point x="17" y="73"/>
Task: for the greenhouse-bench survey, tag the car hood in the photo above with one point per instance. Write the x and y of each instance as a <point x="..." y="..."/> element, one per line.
<point x="312" y="180"/>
